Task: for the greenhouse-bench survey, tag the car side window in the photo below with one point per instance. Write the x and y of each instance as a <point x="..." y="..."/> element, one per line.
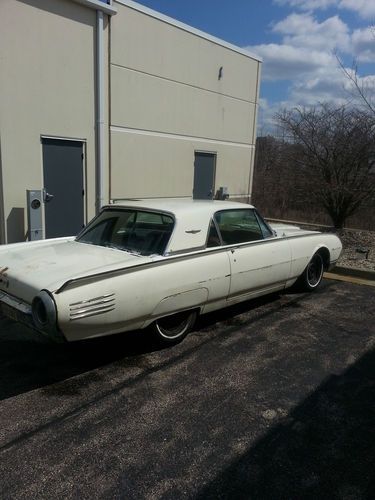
<point x="238" y="226"/>
<point x="213" y="239"/>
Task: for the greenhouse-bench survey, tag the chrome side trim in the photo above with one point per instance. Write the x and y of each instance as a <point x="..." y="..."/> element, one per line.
<point x="18" y="304"/>
<point x="84" y="310"/>
<point x="16" y="310"/>
<point x="89" y="314"/>
<point x="175" y="256"/>
<point x="92" y="307"/>
<point x="102" y="298"/>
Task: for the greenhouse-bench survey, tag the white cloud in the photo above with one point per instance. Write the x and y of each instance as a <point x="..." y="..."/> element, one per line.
<point x="266" y="112"/>
<point x="306" y="47"/>
<point x="285" y="62"/>
<point x="329" y="84"/>
<point x="365" y="8"/>
<point x="368" y="82"/>
<point x="302" y="93"/>
<point x="305" y="59"/>
<point x="363" y="42"/>
<point x="303" y="30"/>
<point x="307" y="4"/>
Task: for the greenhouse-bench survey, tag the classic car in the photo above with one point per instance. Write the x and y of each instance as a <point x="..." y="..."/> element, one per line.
<point x="156" y="264"/>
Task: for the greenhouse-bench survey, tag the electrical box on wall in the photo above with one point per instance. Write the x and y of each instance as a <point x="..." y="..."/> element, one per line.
<point x="222" y="193"/>
<point x="34" y="214"/>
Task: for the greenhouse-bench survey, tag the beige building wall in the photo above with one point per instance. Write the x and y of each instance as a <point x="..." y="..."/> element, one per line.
<point x="167" y="101"/>
<point x="164" y="101"/>
<point x="47" y="88"/>
<point x="150" y="165"/>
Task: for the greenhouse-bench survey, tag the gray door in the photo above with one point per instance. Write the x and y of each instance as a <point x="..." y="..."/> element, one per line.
<point x="63" y="187"/>
<point x="204" y="176"/>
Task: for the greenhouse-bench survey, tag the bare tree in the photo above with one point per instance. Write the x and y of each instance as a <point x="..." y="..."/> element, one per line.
<point x="361" y="89"/>
<point x="278" y="187"/>
<point x="267" y="167"/>
<point x="335" y="148"/>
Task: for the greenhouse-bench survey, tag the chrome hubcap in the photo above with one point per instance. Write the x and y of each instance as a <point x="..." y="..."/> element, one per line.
<point x="315" y="271"/>
<point x="174" y="326"/>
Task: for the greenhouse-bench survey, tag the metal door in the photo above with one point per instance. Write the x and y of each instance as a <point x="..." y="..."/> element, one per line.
<point x="204" y="175"/>
<point x="63" y="187"/>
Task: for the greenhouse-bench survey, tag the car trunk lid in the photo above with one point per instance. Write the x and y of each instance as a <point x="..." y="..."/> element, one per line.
<point x="27" y="269"/>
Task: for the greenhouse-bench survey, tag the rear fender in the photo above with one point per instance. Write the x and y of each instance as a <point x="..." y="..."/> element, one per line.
<point x="191" y="299"/>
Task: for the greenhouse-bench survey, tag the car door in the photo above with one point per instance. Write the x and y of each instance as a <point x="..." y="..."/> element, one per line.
<point x="259" y="261"/>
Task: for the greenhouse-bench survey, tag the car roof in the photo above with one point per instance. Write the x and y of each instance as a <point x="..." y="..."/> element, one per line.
<point x="182" y="206"/>
<point x="192" y="218"/>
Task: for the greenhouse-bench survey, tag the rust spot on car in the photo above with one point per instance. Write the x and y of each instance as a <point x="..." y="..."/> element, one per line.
<point x="3" y="277"/>
<point x="3" y="271"/>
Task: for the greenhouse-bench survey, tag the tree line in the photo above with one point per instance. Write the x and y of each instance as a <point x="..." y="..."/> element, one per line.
<point x="320" y="168"/>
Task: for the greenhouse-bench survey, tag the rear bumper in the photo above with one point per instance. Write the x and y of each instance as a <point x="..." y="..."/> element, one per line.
<point x="20" y="312"/>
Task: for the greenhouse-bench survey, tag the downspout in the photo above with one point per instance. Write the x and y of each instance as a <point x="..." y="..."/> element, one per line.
<point x="254" y="139"/>
<point x="3" y="237"/>
<point x="99" y="110"/>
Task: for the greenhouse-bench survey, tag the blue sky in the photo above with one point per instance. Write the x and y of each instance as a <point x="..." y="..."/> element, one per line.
<point x="297" y="40"/>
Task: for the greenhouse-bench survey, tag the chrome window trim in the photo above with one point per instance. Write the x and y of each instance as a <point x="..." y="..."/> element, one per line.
<point x="260" y="218"/>
<point x="212" y="220"/>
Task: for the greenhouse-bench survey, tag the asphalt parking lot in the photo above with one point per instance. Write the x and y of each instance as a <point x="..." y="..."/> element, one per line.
<point x="274" y="398"/>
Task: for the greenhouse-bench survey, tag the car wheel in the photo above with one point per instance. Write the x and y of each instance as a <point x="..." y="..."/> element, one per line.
<point x="313" y="274"/>
<point x="172" y="329"/>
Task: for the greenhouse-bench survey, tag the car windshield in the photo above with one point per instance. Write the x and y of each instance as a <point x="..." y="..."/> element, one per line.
<point x="135" y="231"/>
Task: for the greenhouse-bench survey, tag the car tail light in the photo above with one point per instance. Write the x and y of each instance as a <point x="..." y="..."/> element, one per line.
<point x="44" y="313"/>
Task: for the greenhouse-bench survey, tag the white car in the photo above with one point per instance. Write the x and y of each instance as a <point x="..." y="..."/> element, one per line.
<point x="156" y="263"/>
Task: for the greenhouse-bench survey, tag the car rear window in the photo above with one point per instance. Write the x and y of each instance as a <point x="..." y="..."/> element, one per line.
<point x="137" y="231"/>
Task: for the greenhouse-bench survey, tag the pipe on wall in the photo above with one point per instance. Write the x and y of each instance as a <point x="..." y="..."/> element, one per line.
<point x="99" y="109"/>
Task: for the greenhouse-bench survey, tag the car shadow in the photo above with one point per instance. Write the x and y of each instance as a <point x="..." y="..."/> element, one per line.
<point x="324" y="448"/>
<point x="29" y="360"/>
<point x="291" y="298"/>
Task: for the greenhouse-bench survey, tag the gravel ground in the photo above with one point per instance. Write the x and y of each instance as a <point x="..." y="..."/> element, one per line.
<point x="358" y="249"/>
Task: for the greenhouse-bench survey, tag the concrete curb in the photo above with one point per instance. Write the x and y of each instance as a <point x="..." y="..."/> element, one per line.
<point x="349" y="279"/>
<point x="364" y="274"/>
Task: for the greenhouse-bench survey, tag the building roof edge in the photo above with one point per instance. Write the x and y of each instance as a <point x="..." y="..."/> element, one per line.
<point x="98" y="5"/>
<point x="186" y="27"/>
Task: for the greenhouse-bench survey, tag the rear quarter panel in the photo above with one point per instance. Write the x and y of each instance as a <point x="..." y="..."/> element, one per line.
<point x="142" y="295"/>
<point x="305" y="246"/>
